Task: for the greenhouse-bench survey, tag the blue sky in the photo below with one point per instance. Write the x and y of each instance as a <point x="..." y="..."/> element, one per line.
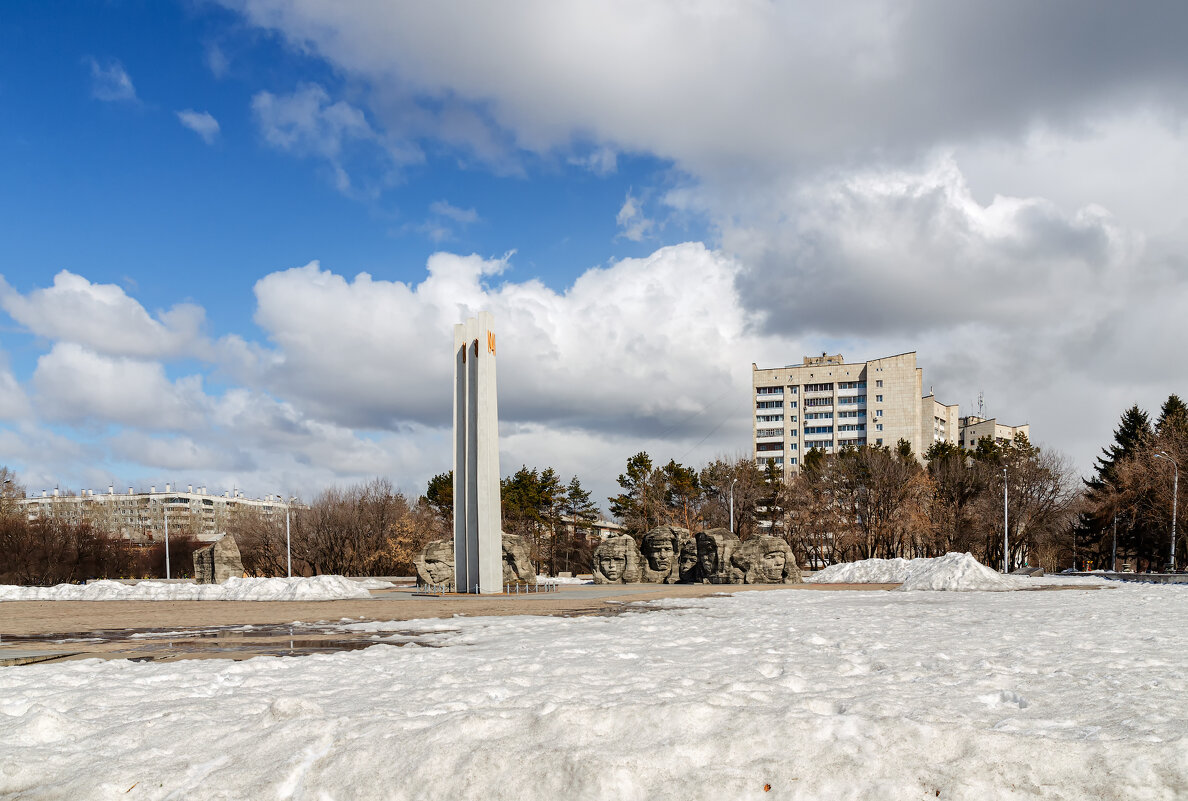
<point x="649" y="196"/>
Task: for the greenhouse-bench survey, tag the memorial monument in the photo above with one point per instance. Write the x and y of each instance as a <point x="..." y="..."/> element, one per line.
<point x="478" y="550"/>
<point x="218" y="561"/>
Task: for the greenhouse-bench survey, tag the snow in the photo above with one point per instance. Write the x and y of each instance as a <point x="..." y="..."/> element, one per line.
<point x="1068" y="694"/>
<point x="953" y="571"/>
<point x="373" y="584"/>
<point x="317" y="588"/>
<point x="561" y="580"/>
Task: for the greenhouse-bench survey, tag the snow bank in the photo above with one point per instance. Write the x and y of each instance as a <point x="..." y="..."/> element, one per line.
<point x="317" y="588"/>
<point x="561" y="580"/>
<point x="862" y="696"/>
<point x="953" y="571"/>
<point x="374" y="584"/>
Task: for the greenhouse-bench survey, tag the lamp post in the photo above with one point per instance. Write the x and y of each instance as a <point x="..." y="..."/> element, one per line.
<point x="1114" y="563"/>
<point x="165" y="512"/>
<point x="1006" y="537"/>
<point x="288" y="541"/>
<point x="1171" y="559"/>
<point x="732" y="483"/>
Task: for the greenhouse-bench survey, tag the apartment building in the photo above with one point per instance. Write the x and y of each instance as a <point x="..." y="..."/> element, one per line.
<point x="827" y="404"/>
<point x="141" y="516"/>
<point x="973" y="428"/>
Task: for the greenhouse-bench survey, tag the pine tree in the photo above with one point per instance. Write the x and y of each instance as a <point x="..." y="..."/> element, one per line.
<point x="1133" y="433"/>
<point x="1173" y="419"/>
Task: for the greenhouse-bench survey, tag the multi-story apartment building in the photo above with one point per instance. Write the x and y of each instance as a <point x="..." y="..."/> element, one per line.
<point x="827" y="404"/>
<point x="140" y="516"/>
<point x="974" y="428"/>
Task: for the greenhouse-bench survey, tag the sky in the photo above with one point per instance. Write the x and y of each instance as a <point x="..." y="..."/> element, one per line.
<point x="235" y="236"/>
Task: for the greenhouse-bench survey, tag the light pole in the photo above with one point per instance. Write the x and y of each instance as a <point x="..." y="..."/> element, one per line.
<point x="1006" y="537"/>
<point x="165" y="512"/>
<point x="1171" y="560"/>
<point x="732" y="483"/>
<point x="288" y="541"/>
<point x="1114" y="563"/>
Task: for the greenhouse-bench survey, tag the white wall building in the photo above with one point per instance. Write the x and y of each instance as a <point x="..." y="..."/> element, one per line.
<point x="827" y="404"/>
<point x="140" y="516"/>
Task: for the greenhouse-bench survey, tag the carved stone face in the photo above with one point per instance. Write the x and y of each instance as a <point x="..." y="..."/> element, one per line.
<point x="707" y="555"/>
<point x="772" y="565"/>
<point x="437" y="565"/>
<point x="688" y="563"/>
<point x="658" y="551"/>
<point x="612" y="562"/>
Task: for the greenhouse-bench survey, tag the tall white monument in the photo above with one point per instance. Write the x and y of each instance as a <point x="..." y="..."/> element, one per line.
<point x="478" y="550"/>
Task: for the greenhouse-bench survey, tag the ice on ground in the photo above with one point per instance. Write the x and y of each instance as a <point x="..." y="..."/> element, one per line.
<point x="953" y="571"/>
<point x="316" y="588"/>
<point x="859" y="695"/>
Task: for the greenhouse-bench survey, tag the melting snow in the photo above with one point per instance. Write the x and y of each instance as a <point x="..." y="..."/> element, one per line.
<point x="317" y="588"/>
<point x="953" y="571"/>
<point x="857" y="695"/>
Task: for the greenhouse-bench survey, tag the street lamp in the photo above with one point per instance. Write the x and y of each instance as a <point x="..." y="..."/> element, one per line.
<point x="1171" y="561"/>
<point x="732" y="483"/>
<point x="288" y="541"/>
<point x="1006" y="537"/>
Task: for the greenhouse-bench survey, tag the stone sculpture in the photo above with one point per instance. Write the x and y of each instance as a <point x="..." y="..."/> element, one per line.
<point x="687" y="565"/>
<point x="714" y="549"/>
<point x="616" y="561"/>
<point x="661" y="550"/>
<point x="517" y="561"/>
<point x="218" y="561"/>
<point x="766" y="560"/>
<point x="435" y="565"/>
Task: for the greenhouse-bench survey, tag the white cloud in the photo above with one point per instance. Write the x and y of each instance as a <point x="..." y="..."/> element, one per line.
<point x="633" y="223"/>
<point x="103" y="318"/>
<point x="110" y="83"/>
<point x="443" y="208"/>
<point x="201" y="123"/>
<point x="78" y="386"/>
<point x="600" y="161"/>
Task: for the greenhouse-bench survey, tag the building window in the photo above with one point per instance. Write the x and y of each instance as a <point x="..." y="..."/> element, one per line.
<point x="793" y="389"/>
<point x="878" y="426"/>
<point x="879" y="383"/>
<point x="769" y="391"/>
<point x="879" y="441"/>
<point x="878" y="398"/>
<point x="792" y="460"/>
<point x="770" y="446"/>
<point x="878" y="413"/>
<point x="770" y="432"/>
<point x="818" y="387"/>
<point x="769" y="405"/>
<point x="791" y="404"/>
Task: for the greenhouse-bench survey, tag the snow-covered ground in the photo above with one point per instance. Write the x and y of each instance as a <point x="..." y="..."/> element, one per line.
<point x="953" y="572"/>
<point x="317" y="588"/>
<point x="1072" y="694"/>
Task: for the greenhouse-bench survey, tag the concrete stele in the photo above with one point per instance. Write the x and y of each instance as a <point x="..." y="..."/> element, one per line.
<point x="478" y="556"/>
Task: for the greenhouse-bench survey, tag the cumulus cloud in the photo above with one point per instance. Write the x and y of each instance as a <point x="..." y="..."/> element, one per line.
<point x="103" y="318"/>
<point x="201" y="123"/>
<point x="110" y="82"/>
<point x="633" y="223"/>
<point x="75" y="385"/>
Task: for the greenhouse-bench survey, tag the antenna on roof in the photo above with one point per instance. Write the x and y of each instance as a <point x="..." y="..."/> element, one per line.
<point x="981" y="404"/>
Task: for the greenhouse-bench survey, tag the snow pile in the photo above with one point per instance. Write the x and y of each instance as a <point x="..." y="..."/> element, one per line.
<point x="956" y="571"/>
<point x="374" y="584"/>
<point x="561" y="580"/>
<point x="317" y="588"/>
<point x="857" y="695"/>
<point x="953" y="571"/>
<point x="867" y="571"/>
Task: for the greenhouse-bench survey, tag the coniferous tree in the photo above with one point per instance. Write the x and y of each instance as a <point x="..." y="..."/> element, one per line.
<point x="1107" y="500"/>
